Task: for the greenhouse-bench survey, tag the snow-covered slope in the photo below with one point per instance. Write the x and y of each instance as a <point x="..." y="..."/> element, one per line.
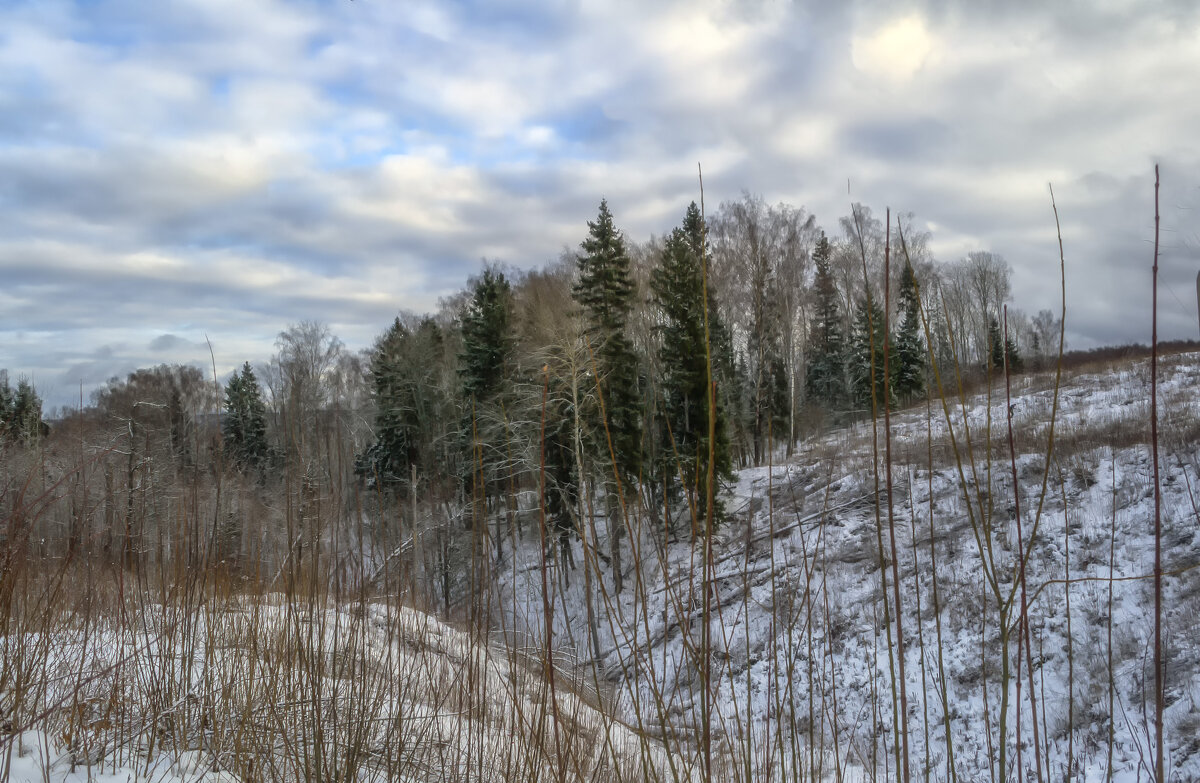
<point x="803" y="647"/>
<point x="264" y="689"/>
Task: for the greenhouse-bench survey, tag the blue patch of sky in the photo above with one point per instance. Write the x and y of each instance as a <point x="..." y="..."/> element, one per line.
<point x="588" y="127"/>
<point x="218" y="86"/>
<point x="122" y="27"/>
<point x="521" y="20"/>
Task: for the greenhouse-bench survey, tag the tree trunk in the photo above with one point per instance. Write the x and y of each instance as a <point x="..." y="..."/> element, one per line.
<point x="616" y="528"/>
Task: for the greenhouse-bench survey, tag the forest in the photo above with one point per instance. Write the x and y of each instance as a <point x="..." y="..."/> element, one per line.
<point x="531" y="504"/>
<point x="450" y="410"/>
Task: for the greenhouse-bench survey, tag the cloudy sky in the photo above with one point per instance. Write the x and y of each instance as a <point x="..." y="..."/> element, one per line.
<point x="226" y="167"/>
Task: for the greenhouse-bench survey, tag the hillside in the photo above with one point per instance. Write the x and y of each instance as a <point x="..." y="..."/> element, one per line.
<point x="800" y="635"/>
<point x="196" y="678"/>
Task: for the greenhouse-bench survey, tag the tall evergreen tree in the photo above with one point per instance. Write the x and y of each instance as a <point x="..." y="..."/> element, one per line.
<point x="910" y="351"/>
<point x="25" y="420"/>
<point x="6" y="406"/>
<point x="1015" y="362"/>
<point x="387" y="460"/>
<point x="245" y="425"/>
<point x="487" y="340"/>
<point x="678" y="291"/>
<point x="825" y="380"/>
<point x="995" y="347"/>
<point x="866" y="354"/>
<point x="413" y="413"/>
<point x="605" y="290"/>
<point x="484" y="370"/>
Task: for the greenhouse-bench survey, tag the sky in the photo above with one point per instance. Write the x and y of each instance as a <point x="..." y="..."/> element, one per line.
<point x="196" y="172"/>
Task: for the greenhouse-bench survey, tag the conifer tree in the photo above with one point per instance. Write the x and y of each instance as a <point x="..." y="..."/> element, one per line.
<point x="487" y="340"/>
<point x="910" y="352"/>
<point x="410" y="386"/>
<point x="995" y="347"/>
<point x="484" y="370"/>
<point x="684" y="356"/>
<point x="605" y="290"/>
<point x="245" y="425"/>
<point x="1000" y="348"/>
<point x="387" y="460"/>
<point x="866" y="354"/>
<point x="6" y="406"/>
<point x="22" y="413"/>
<point x="1015" y="362"/>
<point x="825" y="380"/>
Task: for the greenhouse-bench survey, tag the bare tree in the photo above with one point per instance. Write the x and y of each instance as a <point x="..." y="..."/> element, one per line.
<point x="760" y="265"/>
<point x="307" y="355"/>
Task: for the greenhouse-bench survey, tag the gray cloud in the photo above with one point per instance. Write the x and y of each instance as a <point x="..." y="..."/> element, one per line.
<point x="210" y="168"/>
<point x="167" y="342"/>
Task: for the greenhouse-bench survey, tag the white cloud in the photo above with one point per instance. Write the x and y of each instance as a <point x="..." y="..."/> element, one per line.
<point x="895" y="51"/>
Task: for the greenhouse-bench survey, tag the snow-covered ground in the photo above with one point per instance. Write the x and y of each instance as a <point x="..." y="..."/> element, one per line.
<point x="263" y="689"/>
<point x="803" y="653"/>
<point x="801" y="637"/>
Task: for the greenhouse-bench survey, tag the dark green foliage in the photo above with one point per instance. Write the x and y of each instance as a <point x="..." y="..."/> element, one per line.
<point x="485" y="369"/>
<point x="486" y="337"/>
<point x="1015" y="362"/>
<point x="1000" y="348"/>
<point x="413" y="412"/>
<point x="388" y="460"/>
<point x="20" y="412"/>
<point x="7" y="399"/>
<point x="866" y="357"/>
<point x="605" y="290"/>
<point x="245" y="425"/>
<point x="909" y="356"/>
<point x="679" y="292"/>
<point x="825" y="380"/>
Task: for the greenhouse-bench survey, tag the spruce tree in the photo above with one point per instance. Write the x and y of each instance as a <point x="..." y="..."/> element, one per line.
<point x="684" y="355"/>
<point x="605" y="290"/>
<point x="1015" y="362"/>
<point x="25" y="423"/>
<point x="866" y="354"/>
<point x="245" y="425"/>
<point x="386" y="462"/>
<point x="414" y="419"/>
<point x="6" y="406"/>
<point x="910" y="352"/>
<point x="825" y="379"/>
<point x="487" y="340"/>
<point x="484" y="370"/>
<point x="1000" y="348"/>
<point x="995" y="347"/>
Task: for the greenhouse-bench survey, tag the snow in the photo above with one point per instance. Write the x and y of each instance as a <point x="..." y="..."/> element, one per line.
<point x="275" y="681"/>
<point x="800" y="635"/>
<point x="804" y="533"/>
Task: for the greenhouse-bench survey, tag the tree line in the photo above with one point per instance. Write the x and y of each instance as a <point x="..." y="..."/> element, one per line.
<point x="624" y="378"/>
